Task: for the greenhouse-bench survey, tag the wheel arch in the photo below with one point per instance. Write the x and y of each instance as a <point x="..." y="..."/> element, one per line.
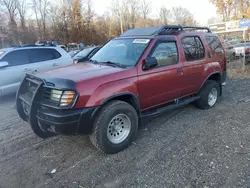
<point x="128" y="97"/>
<point x="215" y="76"/>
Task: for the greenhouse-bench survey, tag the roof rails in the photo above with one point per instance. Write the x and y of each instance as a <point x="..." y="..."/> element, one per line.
<point x="179" y="28"/>
<point x="161" y="30"/>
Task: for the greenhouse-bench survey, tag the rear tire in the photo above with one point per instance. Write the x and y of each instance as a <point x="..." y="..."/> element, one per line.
<point x="115" y="127"/>
<point x="209" y="95"/>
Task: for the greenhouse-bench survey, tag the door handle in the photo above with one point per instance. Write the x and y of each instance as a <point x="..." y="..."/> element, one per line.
<point x="179" y="70"/>
<point x="55" y="65"/>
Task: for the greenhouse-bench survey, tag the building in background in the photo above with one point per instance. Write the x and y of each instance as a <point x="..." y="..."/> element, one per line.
<point x="231" y="32"/>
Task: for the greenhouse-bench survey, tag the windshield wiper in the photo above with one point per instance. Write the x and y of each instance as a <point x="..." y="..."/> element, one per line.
<point x="93" y="61"/>
<point x="114" y="64"/>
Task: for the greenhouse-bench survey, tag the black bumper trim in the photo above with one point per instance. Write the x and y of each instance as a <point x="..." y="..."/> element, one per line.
<point x="67" y="122"/>
<point x="223" y="77"/>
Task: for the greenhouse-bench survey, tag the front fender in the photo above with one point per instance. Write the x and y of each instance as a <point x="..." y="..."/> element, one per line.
<point x="110" y="89"/>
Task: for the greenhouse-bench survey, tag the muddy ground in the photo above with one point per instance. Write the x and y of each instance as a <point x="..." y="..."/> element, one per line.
<point x="184" y="148"/>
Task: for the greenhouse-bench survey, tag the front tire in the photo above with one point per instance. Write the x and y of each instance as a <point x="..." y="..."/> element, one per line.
<point x="209" y="95"/>
<point x="115" y="127"/>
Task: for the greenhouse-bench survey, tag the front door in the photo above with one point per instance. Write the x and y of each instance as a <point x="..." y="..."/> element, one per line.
<point x="163" y="83"/>
<point x="12" y="75"/>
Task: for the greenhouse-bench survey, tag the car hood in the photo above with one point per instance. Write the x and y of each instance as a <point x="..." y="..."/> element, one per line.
<point x="81" y="71"/>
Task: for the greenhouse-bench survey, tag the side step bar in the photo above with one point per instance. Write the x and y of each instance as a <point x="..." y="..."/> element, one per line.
<point x="170" y="107"/>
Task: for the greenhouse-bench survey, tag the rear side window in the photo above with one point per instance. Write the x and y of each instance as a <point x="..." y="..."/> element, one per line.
<point x="193" y="48"/>
<point x="16" y="58"/>
<point x="40" y="55"/>
<point x="57" y="55"/>
<point x="214" y="44"/>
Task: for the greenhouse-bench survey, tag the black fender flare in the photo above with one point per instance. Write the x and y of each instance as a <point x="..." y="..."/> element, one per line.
<point x="213" y="73"/>
<point x="127" y="93"/>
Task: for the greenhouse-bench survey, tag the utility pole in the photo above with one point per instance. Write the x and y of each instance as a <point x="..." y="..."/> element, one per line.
<point x="244" y="56"/>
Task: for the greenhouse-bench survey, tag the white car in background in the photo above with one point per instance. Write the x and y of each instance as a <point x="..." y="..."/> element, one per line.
<point x="16" y="62"/>
<point x="239" y="49"/>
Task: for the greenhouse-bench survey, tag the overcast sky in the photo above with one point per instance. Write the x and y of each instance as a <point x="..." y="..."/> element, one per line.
<point x="201" y="9"/>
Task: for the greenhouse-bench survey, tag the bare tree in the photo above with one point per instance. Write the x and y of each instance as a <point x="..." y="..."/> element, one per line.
<point x="118" y="9"/>
<point x="22" y="10"/>
<point x="88" y="18"/>
<point x="182" y="16"/>
<point x="40" y="8"/>
<point x="11" y="7"/>
<point x="164" y="15"/>
<point x="145" y="8"/>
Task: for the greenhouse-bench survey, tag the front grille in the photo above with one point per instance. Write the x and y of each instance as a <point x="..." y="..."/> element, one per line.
<point x="28" y="89"/>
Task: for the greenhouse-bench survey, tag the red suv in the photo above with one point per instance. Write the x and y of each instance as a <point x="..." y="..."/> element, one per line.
<point x="142" y="73"/>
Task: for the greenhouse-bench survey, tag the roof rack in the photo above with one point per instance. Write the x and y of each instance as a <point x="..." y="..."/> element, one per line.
<point x="179" y="28"/>
<point x="161" y="30"/>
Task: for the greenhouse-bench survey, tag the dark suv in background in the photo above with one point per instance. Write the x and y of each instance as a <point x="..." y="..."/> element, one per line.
<point x="85" y="54"/>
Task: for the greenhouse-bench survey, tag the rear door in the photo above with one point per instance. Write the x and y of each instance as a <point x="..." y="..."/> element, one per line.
<point x="163" y="83"/>
<point x="193" y="66"/>
<point x="12" y="75"/>
<point x="62" y="57"/>
<point x="43" y="59"/>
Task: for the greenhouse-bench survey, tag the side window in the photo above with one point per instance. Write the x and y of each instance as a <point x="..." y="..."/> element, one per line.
<point x="193" y="48"/>
<point x="214" y="44"/>
<point x="57" y="55"/>
<point x="200" y="48"/>
<point x="16" y="58"/>
<point x="40" y="55"/>
<point x="166" y="53"/>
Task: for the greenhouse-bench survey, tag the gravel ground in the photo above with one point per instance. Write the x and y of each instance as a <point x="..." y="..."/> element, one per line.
<point x="184" y="148"/>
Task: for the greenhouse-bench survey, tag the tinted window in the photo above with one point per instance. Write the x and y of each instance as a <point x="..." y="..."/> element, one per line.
<point x="214" y="44"/>
<point x="39" y="55"/>
<point x="193" y="48"/>
<point x="166" y="53"/>
<point x="57" y="55"/>
<point x="15" y="58"/>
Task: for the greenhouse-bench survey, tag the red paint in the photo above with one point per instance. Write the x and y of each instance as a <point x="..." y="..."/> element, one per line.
<point x="154" y="87"/>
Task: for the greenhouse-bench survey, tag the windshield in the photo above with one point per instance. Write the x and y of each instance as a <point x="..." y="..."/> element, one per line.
<point x="123" y="51"/>
<point x="84" y="52"/>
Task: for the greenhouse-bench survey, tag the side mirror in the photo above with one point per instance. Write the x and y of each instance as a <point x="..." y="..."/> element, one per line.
<point x="4" y="64"/>
<point x="149" y="63"/>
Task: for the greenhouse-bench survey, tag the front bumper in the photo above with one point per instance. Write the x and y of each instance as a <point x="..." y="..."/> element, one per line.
<point x="66" y="122"/>
<point x="31" y="108"/>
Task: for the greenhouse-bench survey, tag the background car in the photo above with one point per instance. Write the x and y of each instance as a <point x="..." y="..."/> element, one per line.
<point x="229" y="53"/>
<point x="16" y="62"/>
<point x="238" y="49"/>
<point x="85" y="54"/>
<point x="73" y="52"/>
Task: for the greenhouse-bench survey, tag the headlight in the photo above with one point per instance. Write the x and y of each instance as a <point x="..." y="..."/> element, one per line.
<point x="63" y="98"/>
